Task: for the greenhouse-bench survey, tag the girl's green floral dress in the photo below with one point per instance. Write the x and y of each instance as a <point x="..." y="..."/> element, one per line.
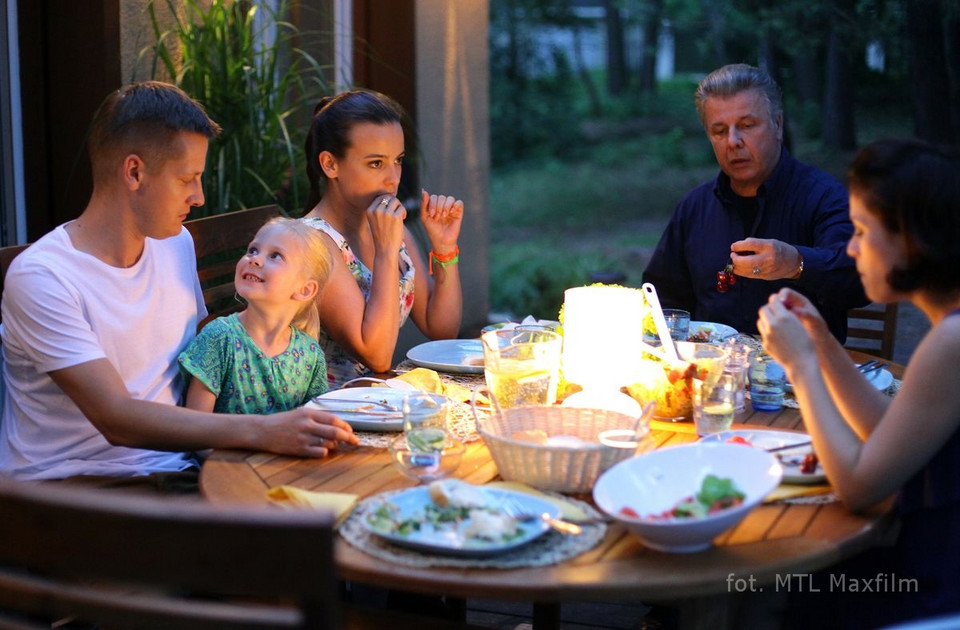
<point x="225" y="359"/>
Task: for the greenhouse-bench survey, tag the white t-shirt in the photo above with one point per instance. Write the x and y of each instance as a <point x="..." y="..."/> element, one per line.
<point x="62" y="307"/>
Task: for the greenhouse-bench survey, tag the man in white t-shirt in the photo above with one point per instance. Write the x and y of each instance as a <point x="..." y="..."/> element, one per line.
<point x="96" y="312"/>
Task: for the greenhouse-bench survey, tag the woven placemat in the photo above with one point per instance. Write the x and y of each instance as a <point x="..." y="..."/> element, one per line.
<point x="550" y="548"/>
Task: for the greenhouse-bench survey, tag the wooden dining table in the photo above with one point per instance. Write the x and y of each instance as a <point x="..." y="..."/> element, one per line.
<point x="777" y="546"/>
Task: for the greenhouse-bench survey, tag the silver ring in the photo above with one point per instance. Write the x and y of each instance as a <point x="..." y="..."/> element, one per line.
<point x="384" y="202"/>
<point x="756" y="271"/>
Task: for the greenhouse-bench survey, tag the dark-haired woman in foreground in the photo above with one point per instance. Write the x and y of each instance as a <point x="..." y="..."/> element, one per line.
<point x="355" y="150"/>
<point x="905" y="208"/>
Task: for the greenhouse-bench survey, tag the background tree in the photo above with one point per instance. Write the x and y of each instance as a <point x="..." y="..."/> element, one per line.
<point x="927" y="35"/>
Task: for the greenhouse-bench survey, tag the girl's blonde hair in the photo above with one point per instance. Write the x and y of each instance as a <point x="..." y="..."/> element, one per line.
<point x="316" y="264"/>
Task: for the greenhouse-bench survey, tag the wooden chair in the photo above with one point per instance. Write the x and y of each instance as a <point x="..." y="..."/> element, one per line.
<point x="124" y="561"/>
<point x="220" y="240"/>
<point x="873" y="329"/>
<point x="117" y="560"/>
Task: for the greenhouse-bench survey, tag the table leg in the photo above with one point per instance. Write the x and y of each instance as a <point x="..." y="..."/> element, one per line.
<point x="546" y="616"/>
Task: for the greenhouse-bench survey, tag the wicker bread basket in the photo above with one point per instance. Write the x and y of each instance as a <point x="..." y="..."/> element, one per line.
<point x="559" y="468"/>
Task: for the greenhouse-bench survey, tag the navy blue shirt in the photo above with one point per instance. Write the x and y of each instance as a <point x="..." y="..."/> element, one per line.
<point x="799" y="205"/>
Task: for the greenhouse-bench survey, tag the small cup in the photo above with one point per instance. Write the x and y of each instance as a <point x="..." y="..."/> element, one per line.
<point x="767" y="382"/>
<point x="425" y="421"/>
<point x="714" y="404"/>
<point x="678" y="322"/>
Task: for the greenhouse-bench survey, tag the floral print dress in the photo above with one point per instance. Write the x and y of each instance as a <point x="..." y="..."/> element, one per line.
<point x="341" y="365"/>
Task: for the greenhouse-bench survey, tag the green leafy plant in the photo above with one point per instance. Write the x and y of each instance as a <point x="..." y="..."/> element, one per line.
<point x="239" y="59"/>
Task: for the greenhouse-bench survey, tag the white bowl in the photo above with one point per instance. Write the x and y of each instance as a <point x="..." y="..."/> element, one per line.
<point x="655" y="482"/>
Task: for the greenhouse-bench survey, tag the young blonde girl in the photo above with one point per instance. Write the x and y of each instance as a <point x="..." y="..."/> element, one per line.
<point x="266" y="358"/>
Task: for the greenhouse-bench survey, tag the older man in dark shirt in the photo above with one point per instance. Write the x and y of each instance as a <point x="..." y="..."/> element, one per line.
<point x="766" y="222"/>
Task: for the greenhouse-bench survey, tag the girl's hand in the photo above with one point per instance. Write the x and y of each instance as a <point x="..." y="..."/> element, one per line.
<point x="385" y="216"/>
<point x="441" y="216"/>
<point x="784" y="334"/>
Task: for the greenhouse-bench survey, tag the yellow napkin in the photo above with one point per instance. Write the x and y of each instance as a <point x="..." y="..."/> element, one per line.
<point x="296" y="498"/>
<point x="791" y="491"/>
<point x="427" y="380"/>
<point x="568" y="511"/>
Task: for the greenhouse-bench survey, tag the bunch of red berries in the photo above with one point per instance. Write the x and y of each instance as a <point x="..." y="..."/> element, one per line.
<point x="726" y="278"/>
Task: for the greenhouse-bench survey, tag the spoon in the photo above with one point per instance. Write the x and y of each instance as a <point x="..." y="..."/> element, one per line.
<point x="662" y="330"/>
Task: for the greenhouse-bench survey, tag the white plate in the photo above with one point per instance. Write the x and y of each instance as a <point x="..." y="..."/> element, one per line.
<point x="718" y="332"/>
<point x="882" y="379"/>
<point x="364" y="416"/>
<point x="411" y="504"/>
<point x="766" y="438"/>
<point x="463" y="356"/>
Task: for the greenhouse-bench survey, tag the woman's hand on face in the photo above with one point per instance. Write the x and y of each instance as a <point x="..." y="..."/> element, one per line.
<point x="385" y="216"/>
<point x="441" y="216"/>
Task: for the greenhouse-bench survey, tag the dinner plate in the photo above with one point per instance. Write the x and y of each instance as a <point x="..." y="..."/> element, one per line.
<point x="362" y="415"/>
<point x="462" y="356"/>
<point x="791" y="459"/>
<point x="882" y="379"/>
<point x="716" y="332"/>
<point x="411" y="503"/>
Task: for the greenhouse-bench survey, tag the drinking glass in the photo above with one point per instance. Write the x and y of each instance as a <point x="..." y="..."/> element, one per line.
<point x="714" y="403"/>
<point x="767" y="382"/>
<point x="678" y="323"/>
<point x="522" y="366"/>
<point x="425" y="421"/>
<point x="737" y="365"/>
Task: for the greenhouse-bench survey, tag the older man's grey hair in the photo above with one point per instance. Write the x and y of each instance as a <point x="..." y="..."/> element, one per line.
<point x="736" y="78"/>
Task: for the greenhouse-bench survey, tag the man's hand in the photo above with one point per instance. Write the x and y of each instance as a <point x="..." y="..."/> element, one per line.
<point x="303" y="432"/>
<point x="764" y="258"/>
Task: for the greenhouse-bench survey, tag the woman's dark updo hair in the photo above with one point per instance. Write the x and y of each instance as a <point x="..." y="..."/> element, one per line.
<point x="914" y="189"/>
<point x="333" y="117"/>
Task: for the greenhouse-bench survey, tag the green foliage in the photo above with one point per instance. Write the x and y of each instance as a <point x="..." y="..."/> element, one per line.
<point x="531" y="280"/>
<point x="239" y="60"/>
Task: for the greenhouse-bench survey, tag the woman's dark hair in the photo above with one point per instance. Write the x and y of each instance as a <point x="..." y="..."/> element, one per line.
<point x="333" y="117"/>
<point x="914" y="189"/>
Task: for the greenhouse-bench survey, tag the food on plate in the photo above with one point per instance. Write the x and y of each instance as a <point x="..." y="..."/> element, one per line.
<point x="490" y="525"/>
<point x="715" y="494"/>
<point x="739" y="440"/>
<point x="701" y="335"/>
<point x="809" y="465"/>
<point x="457" y="508"/>
<point x="456" y="493"/>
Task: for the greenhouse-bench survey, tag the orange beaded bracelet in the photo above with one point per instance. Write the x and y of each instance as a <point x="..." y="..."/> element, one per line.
<point x="450" y="259"/>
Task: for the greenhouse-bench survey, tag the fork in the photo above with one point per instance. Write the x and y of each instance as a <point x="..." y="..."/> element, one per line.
<point x="332" y="403"/>
<point x="517" y="512"/>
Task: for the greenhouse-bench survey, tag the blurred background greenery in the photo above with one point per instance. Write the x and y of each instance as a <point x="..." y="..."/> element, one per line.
<point x="594" y="143"/>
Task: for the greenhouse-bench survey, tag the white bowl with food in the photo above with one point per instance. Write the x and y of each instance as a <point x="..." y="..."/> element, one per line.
<point x="679" y="499"/>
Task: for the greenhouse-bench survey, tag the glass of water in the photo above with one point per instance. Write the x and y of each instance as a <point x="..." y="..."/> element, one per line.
<point x="714" y="403"/>
<point x="425" y="421"/>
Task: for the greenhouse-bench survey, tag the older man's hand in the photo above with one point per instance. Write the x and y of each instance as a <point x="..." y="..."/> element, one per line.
<point x="765" y="258"/>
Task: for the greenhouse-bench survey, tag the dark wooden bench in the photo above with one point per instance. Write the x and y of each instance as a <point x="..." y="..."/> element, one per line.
<point x="219" y="239"/>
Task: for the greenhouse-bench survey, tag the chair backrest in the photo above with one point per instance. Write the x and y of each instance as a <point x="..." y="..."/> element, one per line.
<point x="123" y="561"/>
<point x="873" y="329"/>
<point x="220" y="240"/>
